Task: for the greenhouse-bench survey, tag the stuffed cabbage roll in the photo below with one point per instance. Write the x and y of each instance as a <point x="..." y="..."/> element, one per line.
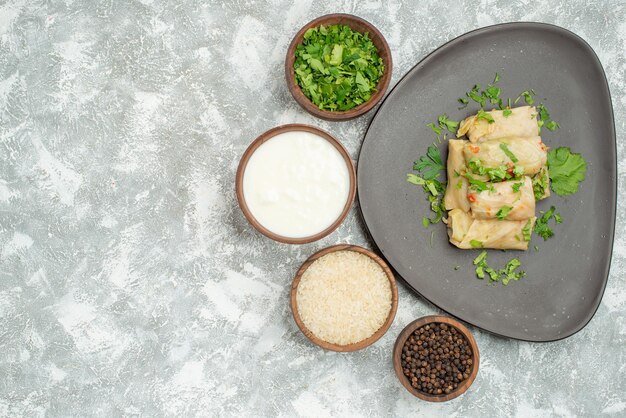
<point x="456" y="192"/>
<point x="467" y="233"/>
<point x="529" y="153"/>
<point x="522" y="121"/>
<point x="541" y="183"/>
<point x="512" y="200"/>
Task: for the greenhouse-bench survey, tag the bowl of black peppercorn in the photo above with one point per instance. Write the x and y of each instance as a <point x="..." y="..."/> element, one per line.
<point x="436" y="358"/>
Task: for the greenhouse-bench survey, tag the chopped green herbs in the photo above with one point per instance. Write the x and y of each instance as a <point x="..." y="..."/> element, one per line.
<point x="528" y="97"/>
<point x="412" y="178"/>
<point x="509" y="273"/>
<point x="497" y="174"/>
<point x="434" y="189"/>
<point x="518" y="171"/>
<point x="476" y="96"/>
<point x="505" y="275"/>
<point x="541" y="226"/>
<point x="552" y="125"/>
<point x="566" y="170"/>
<point x="476" y="244"/>
<point x="491" y="94"/>
<point x="506" y="113"/>
<point x="505" y="148"/>
<point x="459" y="184"/>
<point x="337" y="68"/>
<point x="516" y="186"/>
<point x="435" y="129"/>
<point x="527" y="230"/>
<point x="482" y="257"/>
<point x="503" y="212"/>
<point x="478" y="185"/>
<point x="540" y="183"/>
<point x="445" y="123"/>
<point x="484" y="115"/>
<point x="544" y="119"/>
<point x="430" y="164"/>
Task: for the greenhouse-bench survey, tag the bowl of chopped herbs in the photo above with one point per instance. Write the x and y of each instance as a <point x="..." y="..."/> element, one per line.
<point x="338" y="67"/>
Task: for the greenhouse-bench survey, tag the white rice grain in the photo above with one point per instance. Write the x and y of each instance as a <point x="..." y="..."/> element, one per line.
<point x="344" y="297"/>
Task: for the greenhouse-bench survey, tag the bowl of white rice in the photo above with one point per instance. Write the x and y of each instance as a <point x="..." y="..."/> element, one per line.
<point x="344" y="298"/>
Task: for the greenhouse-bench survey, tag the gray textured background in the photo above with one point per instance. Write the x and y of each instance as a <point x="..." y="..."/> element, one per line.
<point x="131" y="284"/>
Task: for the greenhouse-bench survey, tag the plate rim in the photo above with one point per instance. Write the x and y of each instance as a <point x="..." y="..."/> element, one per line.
<point x="529" y="25"/>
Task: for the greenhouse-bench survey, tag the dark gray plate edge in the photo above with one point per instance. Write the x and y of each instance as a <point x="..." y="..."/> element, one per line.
<point x="451" y="43"/>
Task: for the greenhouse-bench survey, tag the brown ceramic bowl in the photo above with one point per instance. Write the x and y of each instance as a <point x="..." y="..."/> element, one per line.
<point x="244" y="162"/>
<point x="408" y="330"/>
<point x="361" y="344"/>
<point x="356" y="24"/>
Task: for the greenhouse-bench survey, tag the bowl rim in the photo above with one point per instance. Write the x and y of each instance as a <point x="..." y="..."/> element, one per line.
<point x="383" y="50"/>
<point x="404" y="335"/>
<point x="265" y="136"/>
<point x="363" y="343"/>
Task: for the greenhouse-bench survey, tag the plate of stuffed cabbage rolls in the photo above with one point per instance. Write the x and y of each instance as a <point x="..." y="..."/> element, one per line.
<point x="495" y="210"/>
<point x="487" y="179"/>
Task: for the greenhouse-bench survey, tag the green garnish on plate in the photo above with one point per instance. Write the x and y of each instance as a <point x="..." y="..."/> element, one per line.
<point x="504" y="275"/>
<point x="528" y="97"/>
<point x="337" y="68"/>
<point x="479" y="186"/>
<point x="484" y="115"/>
<point x="497" y="174"/>
<point x="435" y="190"/>
<point x="476" y="244"/>
<point x="566" y="170"/>
<point x="429" y="166"/>
<point x="503" y="212"/>
<point x="541" y="226"/>
<point x="505" y="148"/>
<point x="450" y="125"/>
<point x="544" y="119"/>
<point x="527" y="230"/>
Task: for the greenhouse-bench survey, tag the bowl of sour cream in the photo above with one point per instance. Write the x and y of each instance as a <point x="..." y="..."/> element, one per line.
<point x="295" y="183"/>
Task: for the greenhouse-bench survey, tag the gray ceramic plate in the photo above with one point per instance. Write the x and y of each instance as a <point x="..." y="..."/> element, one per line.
<point x="566" y="277"/>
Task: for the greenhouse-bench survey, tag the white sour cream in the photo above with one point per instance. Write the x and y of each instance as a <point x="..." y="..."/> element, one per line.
<point x="296" y="184"/>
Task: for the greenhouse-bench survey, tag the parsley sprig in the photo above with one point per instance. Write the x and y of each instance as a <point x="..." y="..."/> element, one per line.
<point x="429" y="166"/>
<point x="567" y="170"/>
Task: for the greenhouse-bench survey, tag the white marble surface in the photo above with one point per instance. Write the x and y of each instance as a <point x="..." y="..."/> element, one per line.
<point x="131" y="284"/>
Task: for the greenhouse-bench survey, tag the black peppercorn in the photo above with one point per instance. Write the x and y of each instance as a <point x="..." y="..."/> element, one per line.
<point x="436" y="359"/>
